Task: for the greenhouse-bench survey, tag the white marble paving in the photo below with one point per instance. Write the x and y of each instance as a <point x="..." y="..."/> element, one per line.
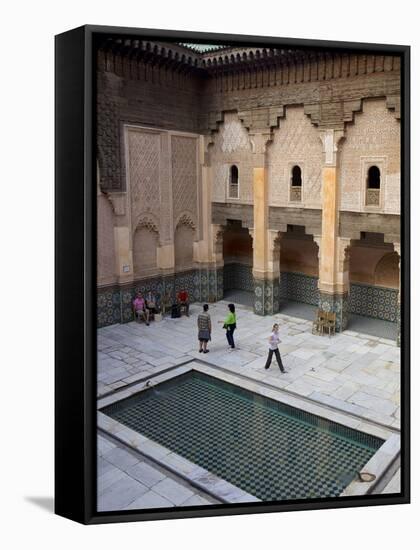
<point x="351" y="372"/>
<point x="128" y="481"/>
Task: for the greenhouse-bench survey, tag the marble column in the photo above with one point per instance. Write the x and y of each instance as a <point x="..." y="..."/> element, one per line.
<point x="124" y="265"/>
<point x="333" y="266"/>
<point x="208" y="251"/>
<point x="266" y="269"/>
<point x="259" y="238"/>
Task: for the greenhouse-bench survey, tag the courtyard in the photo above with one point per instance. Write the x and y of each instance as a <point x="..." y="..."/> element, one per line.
<point x="350" y="373"/>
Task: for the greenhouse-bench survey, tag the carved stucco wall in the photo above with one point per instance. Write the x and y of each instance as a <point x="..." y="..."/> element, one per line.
<point x="231" y="145"/>
<point x="145" y="242"/>
<point x="143" y="165"/>
<point x="162" y="185"/>
<point x="295" y="142"/>
<point x="184" y="177"/>
<point x="106" y="246"/>
<point x="373" y="138"/>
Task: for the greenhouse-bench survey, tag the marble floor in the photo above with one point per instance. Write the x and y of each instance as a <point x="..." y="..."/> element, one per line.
<point x="357" y="323"/>
<point x="352" y="372"/>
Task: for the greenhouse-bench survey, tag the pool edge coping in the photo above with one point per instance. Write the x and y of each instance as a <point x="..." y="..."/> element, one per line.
<point x="217" y="487"/>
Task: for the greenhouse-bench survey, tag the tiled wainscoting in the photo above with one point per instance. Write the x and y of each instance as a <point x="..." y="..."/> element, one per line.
<point x="114" y="303"/>
<point x="207" y="284"/>
<point x="299" y="288"/>
<point x="238" y="276"/>
<point x="373" y="301"/>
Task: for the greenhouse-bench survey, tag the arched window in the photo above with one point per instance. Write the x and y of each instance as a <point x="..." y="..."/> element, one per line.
<point x="233" y="182"/>
<point x="296" y="184"/>
<point x="374" y="178"/>
<point x="373" y="186"/>
<point x="296" y="176"/>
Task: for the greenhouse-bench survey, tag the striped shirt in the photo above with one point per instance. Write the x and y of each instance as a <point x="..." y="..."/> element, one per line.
<point x="204" y="321"/>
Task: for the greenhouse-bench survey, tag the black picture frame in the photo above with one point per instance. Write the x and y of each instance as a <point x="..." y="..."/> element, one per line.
<point x="75" y="276"/>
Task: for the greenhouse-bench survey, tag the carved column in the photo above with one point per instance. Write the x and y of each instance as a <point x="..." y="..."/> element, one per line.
<point x="262" y="279"/>
<point x="108" y="291"/>
<point x="317" y="241"/>
<point x="397" y="248"/>
<point x="272" y="276"/>
<point x="217" y="261"/>
<point x="208" y="253"/>
<point x="332" y="284"/>
<point x="122" y="238"/>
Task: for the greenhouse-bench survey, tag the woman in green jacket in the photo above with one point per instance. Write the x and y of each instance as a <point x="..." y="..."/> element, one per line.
<point x="230" y="325"/>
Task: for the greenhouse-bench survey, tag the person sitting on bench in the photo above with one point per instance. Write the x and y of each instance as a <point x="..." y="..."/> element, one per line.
<point x="151" y="303"/>
<point x="140" y="309"/>
<point x="183" y="301"/>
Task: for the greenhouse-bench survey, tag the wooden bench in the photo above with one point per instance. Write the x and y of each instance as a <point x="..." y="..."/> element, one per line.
<point x="317" y="325"/>
<point x="324" y="322"/>
<point x="329" y="324"/>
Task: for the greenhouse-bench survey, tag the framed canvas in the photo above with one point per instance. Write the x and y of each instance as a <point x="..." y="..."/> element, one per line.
<point x="232" y="274"/>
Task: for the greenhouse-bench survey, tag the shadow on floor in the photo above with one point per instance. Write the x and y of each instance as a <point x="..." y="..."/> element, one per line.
<point x="373" y="327"/>
<point x="242" y="297"/>
<point x="357" y="323"/>
<point x="46" y="503"/>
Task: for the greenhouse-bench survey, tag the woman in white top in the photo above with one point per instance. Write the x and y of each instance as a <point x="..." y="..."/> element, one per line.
<point x="273" y="341"/>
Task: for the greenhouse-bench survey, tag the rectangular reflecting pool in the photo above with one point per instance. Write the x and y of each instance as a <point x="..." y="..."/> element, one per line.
<point x="267" y="448"/>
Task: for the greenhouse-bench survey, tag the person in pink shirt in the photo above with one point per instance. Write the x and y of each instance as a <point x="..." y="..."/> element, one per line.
<point x="139" y="307"/>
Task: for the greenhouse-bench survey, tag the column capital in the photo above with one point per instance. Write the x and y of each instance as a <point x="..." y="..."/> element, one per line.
<point x="274" y="238"/>
<point x="259" y="141"/>
<point x="118" y="201"/>
<point x="330" y="139"/>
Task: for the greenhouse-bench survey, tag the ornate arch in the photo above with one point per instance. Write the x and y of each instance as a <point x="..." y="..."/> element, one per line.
<point x="185" y="218"/>
<point x="148" y="221"/>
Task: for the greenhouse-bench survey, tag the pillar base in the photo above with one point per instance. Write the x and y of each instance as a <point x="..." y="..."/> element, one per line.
<point x="337" y="303"/>
<point x="266" y="296"/>
<point x="211" y="283"/>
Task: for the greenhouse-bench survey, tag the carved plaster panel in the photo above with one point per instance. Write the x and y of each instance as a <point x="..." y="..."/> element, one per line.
<point x="295" y="143"/>
<point x="231" y="145"/>
<point x="375" y="133"/>
<point x="143" y="165"/>
<point x="232" y="135"/>
<point x="184" y="176"/>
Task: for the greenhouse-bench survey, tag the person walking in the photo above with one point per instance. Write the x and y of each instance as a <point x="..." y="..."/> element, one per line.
<point x="230" y="325"/>
<point x="204" y="329"/>
<point x="273" y="342"/>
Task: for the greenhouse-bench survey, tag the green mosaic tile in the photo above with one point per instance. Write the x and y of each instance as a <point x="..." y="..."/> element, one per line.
<point x="271" y="450"/>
